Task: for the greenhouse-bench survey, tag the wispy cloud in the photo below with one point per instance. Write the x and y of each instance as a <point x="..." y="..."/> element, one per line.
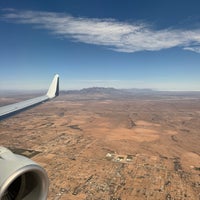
<point x="115" y="35"/>
<point x="194" y="48"/>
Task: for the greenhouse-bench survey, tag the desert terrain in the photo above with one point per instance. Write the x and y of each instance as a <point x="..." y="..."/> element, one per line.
<point x="112" y="146"/>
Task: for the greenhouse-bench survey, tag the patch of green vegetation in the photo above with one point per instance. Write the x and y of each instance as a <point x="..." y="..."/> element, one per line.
<point x="197" y="168"/>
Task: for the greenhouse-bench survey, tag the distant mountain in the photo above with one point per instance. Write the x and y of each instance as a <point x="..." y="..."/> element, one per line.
<point x="107" y="91"/>
<point x="110" y="93"/>
<point x="95" y="91"/>
<point x="99" y="90"/>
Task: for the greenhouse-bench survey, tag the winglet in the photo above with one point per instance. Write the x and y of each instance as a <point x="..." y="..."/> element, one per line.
<point x="54" y="87"/>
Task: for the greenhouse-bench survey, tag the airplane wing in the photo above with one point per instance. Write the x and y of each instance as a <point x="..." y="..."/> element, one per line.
<point x="11" y="109"/>
<point x="20" y="177"/>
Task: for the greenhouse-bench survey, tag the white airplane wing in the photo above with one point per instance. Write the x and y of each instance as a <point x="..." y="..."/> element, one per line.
<point x="11" y="109"/>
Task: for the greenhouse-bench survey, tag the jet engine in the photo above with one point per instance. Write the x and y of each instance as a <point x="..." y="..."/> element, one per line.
<point x="21" y="178"/>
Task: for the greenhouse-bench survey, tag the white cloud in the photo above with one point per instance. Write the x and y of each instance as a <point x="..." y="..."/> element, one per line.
<point x="195" y="49"/>
<point x="115" y="35"/>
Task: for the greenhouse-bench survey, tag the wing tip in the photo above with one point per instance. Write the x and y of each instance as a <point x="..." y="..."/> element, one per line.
<point x="54" y="87"/>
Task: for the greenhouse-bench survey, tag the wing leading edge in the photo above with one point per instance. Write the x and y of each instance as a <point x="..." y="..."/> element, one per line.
<point x="11" y="109"/>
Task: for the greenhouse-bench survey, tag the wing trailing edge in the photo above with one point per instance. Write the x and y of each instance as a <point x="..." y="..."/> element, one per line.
<point x="11" y="109"/>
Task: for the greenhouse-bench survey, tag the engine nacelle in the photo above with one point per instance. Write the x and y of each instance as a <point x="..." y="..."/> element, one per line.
<point x="21" y="178"/>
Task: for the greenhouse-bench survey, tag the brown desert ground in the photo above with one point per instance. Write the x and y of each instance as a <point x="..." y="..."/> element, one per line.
<point x="105" y="147"/>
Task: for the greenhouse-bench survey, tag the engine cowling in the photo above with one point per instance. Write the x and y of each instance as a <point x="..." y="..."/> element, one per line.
<point x="21" y="178"/>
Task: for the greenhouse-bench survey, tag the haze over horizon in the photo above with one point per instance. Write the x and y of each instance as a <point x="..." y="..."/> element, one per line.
<point x="120" y="44"/>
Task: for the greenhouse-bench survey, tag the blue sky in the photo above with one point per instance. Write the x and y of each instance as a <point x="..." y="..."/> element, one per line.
<point x="106" y="43"/>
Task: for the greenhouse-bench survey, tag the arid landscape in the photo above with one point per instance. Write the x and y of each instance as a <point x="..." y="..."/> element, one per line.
<point x="107" y="144"/>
